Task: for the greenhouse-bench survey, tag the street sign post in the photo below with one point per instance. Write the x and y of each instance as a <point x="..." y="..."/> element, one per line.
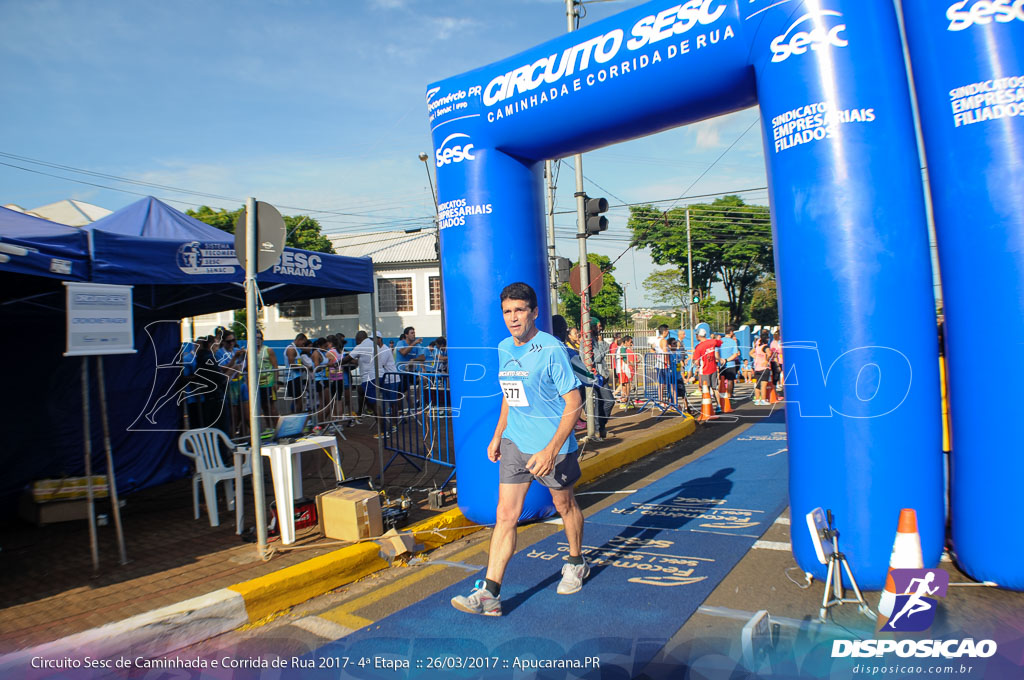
<point x="596" y="280"/>
<point x="270" y="235"/>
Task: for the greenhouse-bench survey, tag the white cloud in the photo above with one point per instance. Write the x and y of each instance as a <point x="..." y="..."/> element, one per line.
<point x="709" y="134"/>
<point x="446" y="27"/>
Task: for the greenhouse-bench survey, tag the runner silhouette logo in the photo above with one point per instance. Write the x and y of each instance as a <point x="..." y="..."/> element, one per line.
<point x="915" y="607"/>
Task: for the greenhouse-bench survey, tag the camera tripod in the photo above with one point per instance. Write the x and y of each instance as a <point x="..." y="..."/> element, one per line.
<point x="834" y="579"/>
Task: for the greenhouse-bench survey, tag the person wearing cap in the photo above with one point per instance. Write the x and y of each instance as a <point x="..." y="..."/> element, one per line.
<point x="706" y="359"/>
<point x="532" y="441"/>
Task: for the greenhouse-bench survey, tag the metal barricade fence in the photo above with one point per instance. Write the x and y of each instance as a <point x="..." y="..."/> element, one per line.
<point x="663" y="381"/>
<point x="418" y="419"/>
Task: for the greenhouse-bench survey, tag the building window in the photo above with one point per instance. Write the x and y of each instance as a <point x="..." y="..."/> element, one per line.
<point x="342" y="305"/>
<point x="299" y="309"/>
<point x="435" y="293"/>
<point x="395" y="295"/>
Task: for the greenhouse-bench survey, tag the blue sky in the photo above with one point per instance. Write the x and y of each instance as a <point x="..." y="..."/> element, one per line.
<point x="310" y="105"/>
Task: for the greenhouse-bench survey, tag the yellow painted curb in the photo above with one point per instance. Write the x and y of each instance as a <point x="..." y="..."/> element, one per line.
<point x="293" y="585"/>
<point x="443" y="529"/>
<point x="629" y="452"/>
<point x="300" y="582"/>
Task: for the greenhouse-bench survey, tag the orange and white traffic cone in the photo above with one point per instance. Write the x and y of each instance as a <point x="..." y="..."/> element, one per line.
<point x="723" y="395"/>
<point x="707" y="409"/>
<point x="906" y="554"/>
<point x="772" y="396"/>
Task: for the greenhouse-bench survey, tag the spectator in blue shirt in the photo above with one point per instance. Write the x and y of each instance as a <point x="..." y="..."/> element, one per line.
<point x="730" y="355"/>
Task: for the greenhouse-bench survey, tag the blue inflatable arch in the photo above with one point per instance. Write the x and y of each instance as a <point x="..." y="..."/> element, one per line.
<point x="848" y="218"/>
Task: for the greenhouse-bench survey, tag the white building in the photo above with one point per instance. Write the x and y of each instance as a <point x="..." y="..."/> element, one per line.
<point x="406" y="281"/>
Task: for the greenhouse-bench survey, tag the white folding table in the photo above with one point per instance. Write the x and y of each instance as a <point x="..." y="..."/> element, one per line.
<point x="286" y="471"/>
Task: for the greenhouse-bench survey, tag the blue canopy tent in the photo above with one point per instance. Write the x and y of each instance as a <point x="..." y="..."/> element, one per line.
<point x="35" y="255"/>
<point x="178" y="267"/>
<point x="183" y="267"/>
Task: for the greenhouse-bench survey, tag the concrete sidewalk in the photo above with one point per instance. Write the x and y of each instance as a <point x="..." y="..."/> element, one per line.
<point x="165" y="629"/>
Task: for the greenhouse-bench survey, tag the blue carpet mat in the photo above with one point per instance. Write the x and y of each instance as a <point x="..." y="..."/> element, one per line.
<point x="738" y="489"/>
<point x="649" y="574"/>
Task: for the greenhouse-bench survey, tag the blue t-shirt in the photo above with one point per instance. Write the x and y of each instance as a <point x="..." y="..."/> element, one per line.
<point x="533" y="377"/>
<point x="414" y="352"/>
<point x="728" y="348"/>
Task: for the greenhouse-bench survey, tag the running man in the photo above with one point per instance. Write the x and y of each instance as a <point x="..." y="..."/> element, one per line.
<point x="533" y="440"/>
<point x="914" y="603"/>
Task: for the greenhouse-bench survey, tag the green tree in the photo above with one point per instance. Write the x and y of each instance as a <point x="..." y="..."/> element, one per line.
<point x="606" y="305"/>
<point x="658" y="319"/>
<point x="764" y="303"/>
<point x="302" y="231"/>
<point x="668" y="287"/>
<point x="731" y="244"/>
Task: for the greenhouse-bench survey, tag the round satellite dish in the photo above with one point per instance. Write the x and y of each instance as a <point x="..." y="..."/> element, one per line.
<point x="270" y="233"/>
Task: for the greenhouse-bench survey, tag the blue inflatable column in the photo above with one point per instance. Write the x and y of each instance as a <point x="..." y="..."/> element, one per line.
<point x="968" y="66"/>
<point x="491" y="212"/>
<point x="854" y="274"/>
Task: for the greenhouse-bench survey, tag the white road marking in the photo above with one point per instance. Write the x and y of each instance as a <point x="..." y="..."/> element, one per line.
<point x="772" y="545"/>
<point x="328" y="630"/>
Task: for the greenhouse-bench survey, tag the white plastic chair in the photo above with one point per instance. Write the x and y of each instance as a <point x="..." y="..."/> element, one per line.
<point x="203" y="447"/>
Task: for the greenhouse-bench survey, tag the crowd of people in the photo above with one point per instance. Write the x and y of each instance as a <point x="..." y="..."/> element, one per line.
<point x="714" y="359"/>
<point x="314" y="376"/>
<point x="319" y="374"/>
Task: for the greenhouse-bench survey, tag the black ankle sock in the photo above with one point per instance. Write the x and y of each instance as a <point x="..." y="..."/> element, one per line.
<point x="492" y="587"/>
<point x="578" y="559"/>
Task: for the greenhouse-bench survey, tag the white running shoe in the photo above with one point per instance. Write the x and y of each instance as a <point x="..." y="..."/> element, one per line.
<point x="480" y="601"/>
<point x="572" y="577"/>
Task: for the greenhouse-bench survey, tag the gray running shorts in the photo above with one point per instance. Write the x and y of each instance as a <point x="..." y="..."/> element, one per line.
<point x="512" y="467"/>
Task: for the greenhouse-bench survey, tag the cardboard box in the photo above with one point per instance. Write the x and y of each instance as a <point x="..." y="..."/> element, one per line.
<point x="349" y="514"/>
<point x="393" y="544"/>
<point x="50" y="513"/>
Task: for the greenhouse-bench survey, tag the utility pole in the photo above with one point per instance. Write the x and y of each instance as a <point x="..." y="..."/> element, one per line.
<point x="581" y="237"/>
<point x="437" y="245"/>
<point x="689" y="275"/>
<point x="682" y="311"/>
<point x="550" y="199"/>
<point x="625" y="305"/>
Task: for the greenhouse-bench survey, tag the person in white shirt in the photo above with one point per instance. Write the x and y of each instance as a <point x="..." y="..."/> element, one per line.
<point x="363" y="357"/>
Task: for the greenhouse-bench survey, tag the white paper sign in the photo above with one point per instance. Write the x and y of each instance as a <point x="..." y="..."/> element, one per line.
<point x="99" y="319"/>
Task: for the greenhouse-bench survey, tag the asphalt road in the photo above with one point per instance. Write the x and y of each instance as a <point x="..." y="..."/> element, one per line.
<point x="708" y="643"/>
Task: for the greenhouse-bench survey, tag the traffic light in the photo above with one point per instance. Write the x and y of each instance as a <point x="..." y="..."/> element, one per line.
<point x="595" y="222"/>
<point x="695" y="299"/>
<point x="562" y="267"/>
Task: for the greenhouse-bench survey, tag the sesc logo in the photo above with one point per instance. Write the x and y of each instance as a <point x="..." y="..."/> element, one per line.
<point x="982" y="12"/>
<point x="456" y="153"/>
<point x="819" y="35"/>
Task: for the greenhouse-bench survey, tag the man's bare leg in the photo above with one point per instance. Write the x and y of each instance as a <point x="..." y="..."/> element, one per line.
<point x="572" y="518"/>
<point x="503" y="537"/>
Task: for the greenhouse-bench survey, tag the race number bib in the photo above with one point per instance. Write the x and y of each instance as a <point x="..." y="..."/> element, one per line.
<point x="515" y="393"/>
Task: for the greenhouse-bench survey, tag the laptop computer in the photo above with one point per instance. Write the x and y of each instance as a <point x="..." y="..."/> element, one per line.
<point x="289" y="428"/>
